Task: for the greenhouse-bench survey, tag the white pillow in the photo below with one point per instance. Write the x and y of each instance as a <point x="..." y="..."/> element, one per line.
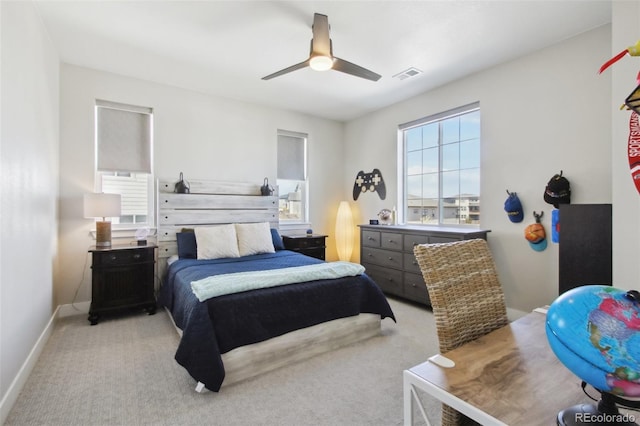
<point x="215" y="242"/>
<point x="254" y="238"/>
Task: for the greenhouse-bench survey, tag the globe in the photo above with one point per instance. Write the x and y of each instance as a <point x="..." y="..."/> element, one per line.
<point x="594" y="330"/>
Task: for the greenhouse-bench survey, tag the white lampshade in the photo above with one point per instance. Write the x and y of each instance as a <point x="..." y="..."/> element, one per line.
<point x="344" y="231"/>
<point x="101" y="205"/>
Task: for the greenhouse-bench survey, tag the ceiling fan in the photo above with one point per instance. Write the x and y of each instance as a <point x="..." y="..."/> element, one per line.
<point x="321" y="57"/>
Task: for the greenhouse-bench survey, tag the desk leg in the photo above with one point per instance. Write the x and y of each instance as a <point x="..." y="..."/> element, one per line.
<point x="408" y="399"/>
<point x="409" y="396"/>
<point x="411" y="382"/>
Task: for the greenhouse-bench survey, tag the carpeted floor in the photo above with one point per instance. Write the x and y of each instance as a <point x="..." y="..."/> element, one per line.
<point x="122" y="372"/>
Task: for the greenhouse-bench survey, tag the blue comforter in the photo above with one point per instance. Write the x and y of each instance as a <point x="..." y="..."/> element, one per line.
<point x="223" y="323"/>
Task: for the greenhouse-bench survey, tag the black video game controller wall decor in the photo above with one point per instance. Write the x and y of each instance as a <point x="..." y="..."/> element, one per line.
<point x="369" y="182"/>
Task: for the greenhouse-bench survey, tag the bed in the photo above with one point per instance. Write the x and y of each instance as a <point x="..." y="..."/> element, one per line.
<point x="233" y="336"/>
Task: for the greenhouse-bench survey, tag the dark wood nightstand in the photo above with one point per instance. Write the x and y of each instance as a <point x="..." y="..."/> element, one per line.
<point x="312" y="245"/>
<point x="122" y="278"/>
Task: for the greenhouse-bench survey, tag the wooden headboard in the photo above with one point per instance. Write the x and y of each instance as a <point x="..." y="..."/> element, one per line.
<point x="209" y="203"/>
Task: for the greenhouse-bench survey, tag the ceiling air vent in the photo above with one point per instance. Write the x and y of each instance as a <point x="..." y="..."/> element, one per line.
<point x="409" y="72"/>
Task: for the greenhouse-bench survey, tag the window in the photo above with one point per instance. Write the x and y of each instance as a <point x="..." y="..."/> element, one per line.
<point x="123" y="138"/>
<point x="292" y="176"/>
<point x="441" y="163"/>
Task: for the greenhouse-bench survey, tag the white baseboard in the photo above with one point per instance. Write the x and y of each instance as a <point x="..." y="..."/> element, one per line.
<point x="23" y="374"/>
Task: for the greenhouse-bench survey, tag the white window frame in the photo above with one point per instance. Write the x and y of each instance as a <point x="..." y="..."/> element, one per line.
<point x="288" y="197"/>
<point x="107" y="181"/>
<point x="439" y="212"/>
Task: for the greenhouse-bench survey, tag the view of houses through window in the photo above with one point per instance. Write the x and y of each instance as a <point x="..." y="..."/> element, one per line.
<point x="134" y="195"/>
<point x="442" y="168"/>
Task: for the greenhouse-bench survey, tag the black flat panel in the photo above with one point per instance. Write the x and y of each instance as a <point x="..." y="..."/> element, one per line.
<point x="585" y="245"/>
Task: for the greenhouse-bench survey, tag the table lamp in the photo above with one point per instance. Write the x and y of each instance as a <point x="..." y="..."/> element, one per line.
<point x="104" y="206"/>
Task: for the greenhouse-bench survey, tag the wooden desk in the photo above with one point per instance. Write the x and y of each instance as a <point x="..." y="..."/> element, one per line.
<point x="508" y="377"/>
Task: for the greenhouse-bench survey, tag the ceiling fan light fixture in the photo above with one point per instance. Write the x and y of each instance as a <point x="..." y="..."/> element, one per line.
<point x="321" y="63"/>
<point x="321" y="55"/>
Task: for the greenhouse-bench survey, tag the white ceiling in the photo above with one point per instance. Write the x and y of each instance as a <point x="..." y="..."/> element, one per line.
<point x="226" y="47"/>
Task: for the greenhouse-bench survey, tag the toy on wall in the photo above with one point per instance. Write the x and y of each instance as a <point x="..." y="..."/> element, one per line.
<point x="631" y="50"/>
<point x="372" y="182"/>
<point x="536" y="234"/>
<point x="633" y="103"/>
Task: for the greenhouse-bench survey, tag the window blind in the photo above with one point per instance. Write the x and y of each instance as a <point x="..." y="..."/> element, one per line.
<point x="123" y="137"/>
<point x="291" y="156"/>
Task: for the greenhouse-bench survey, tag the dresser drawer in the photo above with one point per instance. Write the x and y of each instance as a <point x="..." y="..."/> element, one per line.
<point x="391" y="241"/>
<point x="411" y="264"/>
<point x="311" y="245"/>
<point x="292" y="243"/>
<point x="389" y="280"/>
<point x="411" y="240"/>
<point x="122" y="257"/>
<point x="317" y="252"/>
<point x="386" y="258"/>
<point x="415" y="288"/>
<point x="371" y="238"/>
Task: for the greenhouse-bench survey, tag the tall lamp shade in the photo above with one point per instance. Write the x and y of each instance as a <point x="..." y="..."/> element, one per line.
<point x="102" y="205"/>
<point x="344" y="231"/>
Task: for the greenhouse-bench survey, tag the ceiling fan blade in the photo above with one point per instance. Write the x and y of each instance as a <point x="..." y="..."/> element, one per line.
<point x="321" y="44"/>
<point x="287" y="70"/>
<point x="353" y="69"/>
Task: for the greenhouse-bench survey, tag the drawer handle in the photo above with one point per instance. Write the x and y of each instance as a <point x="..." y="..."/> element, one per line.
<point x="369" y="254"/>
<point x="113" y="257"/>
<point x="370" y="238"/>
<point x="390" y="258"/>
<point x="136" y="256"/>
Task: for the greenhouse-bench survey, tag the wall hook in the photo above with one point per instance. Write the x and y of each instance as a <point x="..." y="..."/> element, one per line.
<point x="538" y="216"/>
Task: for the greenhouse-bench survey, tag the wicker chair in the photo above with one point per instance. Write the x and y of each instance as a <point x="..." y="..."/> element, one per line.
<point x="465" y="294"/>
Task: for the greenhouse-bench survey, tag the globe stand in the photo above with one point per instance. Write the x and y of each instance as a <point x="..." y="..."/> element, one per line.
<point x="606" y="413"/>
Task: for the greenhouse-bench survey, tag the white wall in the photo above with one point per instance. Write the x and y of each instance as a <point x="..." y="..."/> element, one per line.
<point x="543" y="113"/>
<point x="205" y="137"/>
<point x="29" y="176"/>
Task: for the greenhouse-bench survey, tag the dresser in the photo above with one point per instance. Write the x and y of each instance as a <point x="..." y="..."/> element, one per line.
<point x="122" y="277"/>
<point x="310" y="244"/>
<point x="386" y="252"/>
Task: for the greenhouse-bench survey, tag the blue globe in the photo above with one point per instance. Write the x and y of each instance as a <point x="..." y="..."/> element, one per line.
<point x="594" y="331"/>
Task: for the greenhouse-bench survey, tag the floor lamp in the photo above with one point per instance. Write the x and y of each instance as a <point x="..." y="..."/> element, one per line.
<point x="102" y="206"/>
<point x="344" y="232"/>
